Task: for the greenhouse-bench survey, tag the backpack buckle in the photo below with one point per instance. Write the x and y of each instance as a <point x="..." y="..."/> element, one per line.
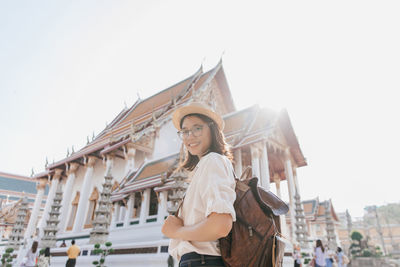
<point x="250" y="231"/>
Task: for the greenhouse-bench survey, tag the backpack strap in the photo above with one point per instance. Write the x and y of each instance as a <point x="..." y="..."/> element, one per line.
<point x="245" y="174"/>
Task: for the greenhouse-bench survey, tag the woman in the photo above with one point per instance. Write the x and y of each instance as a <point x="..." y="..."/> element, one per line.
<point x="319" y="254"/>
<point x="32" y="255"/>
<point x="207" y="212"/>
<point x="340" y="257"/>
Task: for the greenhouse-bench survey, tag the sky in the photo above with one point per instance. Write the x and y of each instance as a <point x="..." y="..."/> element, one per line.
<point x="67" y="68"/>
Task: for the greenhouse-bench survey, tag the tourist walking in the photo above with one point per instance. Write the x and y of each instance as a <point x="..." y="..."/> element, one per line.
<point x="207" y="212"/>
<point x="31" y="256"/>
<point x="341" y="258"/>
<point x="73" y="253"/>
<point x="319" y="254"/>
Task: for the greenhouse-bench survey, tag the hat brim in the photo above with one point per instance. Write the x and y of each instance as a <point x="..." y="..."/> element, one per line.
<point x="181" y="112"/>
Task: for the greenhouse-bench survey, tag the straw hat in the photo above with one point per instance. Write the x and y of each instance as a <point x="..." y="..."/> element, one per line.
<point x="199" y="108"/>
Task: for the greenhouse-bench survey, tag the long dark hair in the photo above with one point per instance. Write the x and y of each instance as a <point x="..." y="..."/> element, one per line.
<point x="218" y="143"/>
<point x="34" y="246"/>
<point x="319" y="244"/>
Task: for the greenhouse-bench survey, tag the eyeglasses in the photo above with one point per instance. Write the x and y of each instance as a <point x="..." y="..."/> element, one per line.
<point x="196" y="131"/>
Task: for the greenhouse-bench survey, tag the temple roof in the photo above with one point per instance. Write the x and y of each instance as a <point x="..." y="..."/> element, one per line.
<point x="314" y="209"/>
<point x="151" y="174"/>
<point x="142" y="113"/>
<point x="254" y="124"/>
<point x="15" y="186"/>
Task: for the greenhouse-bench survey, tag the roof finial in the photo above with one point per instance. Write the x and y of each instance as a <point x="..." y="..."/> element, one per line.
<point x="93" y="136"/>
<point x="126" y="107"/>
<point x="222" y="55"/>
<point x="73" y="151"/>
<point x="32" y="172"/>
<point x="87" y="140"/>
<point x="138" y="96"/>
<point x="202" y="62"/>
<point x="47" y="162"/>
<point x="67" y="151"/>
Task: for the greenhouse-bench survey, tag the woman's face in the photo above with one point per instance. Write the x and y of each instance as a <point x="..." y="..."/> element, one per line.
<point x="199" y="142"/>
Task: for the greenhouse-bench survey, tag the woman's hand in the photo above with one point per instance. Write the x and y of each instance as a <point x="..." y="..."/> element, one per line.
<point x="171" y="226"/>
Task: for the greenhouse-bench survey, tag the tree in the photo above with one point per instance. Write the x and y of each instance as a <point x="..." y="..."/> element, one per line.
<point x="6" y="259"/>
<point x="356" y="248"/>
<point x="356" y="236"/>
<point x="103" y="253"/>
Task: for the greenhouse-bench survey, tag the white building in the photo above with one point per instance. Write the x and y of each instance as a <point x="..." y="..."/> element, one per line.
<point x="141" y="149"/>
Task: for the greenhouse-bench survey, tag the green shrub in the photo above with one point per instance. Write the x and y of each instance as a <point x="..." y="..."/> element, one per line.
<point x="103" y="253"/>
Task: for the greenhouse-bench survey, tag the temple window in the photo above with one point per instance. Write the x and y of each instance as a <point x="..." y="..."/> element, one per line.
<point x="74" y="208"/>
<point x="137" y="204"/>
<point x="153" y="208"/>
<point x="92" y="208"/>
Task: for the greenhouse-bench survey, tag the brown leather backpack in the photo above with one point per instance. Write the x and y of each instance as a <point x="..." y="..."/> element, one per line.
<point x="254" y="239"/>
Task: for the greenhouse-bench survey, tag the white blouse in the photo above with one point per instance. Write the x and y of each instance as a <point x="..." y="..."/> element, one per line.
<point x="212" y="189"/>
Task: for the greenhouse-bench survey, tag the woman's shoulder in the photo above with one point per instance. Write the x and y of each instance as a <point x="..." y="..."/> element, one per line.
<point x="216" y="157"/>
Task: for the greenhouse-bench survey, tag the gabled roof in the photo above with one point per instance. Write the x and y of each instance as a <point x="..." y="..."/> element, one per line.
<point x="314" y="209"/>
<point x="143" y="112"/>
<point x="253" y="124"/>
<point x="151" y="174"/>
<point x="17" y="185"/>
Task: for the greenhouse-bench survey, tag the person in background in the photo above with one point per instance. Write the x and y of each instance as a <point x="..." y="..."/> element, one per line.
<point x="341" y="258"/>
<point x="63" y="245"/>
<point x="32" y="255"/>
<point x="319" y="254"/>
<point x="73" y="253"/>
<point x="297" y="256"/>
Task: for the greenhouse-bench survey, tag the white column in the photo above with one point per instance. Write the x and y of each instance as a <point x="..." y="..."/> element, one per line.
<point x="128" y="214"/>
<point x="41" y="186"/>
<point x="284" y="229"/>
<point x="84" y="197"/>
<point x="162" y="206"/>
<point x="296" y="182"/>
<point x="122" y="210"/>
<point x="130" y="158"/>
<point x="255" y="161"/>
<point x="115" y="215"/>
<point x="144" y="211"/>
<point x="67" y="195"/>
<point x="290" y="182"/>
<point x="50" y="197"/>
<point x="265" y="178"/>
<point x="238" y="162"/>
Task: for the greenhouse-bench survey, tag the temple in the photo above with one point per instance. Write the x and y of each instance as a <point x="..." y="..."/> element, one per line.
<point x="17" y="196"/>
<point x="121" y="186"/>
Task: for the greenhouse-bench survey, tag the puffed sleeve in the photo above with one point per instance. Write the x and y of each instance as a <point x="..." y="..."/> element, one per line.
<point x="218" y="192"/>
